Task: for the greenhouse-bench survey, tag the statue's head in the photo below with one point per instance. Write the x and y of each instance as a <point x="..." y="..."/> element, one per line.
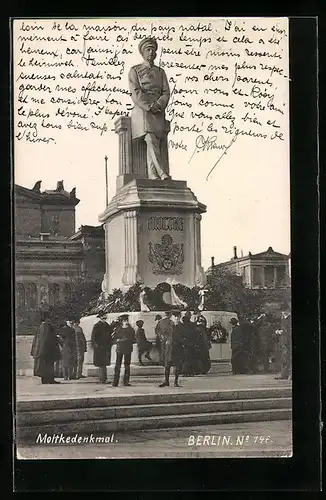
<point x="148" y="48"/>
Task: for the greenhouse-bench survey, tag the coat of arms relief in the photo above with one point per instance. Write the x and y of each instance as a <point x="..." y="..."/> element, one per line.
<point x="167" y="257"/>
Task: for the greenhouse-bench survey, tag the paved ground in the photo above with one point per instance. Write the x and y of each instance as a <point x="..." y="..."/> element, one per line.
<point x="30" y="388"/>
<point x="251" y="439"/>
<point x="257" y="439"/>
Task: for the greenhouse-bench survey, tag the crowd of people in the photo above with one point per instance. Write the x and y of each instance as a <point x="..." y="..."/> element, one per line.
<point x="182" y="340"/>
<point x="58" y="349"/>
<point x="258" y="341"/>
<point x="181" y="343"/>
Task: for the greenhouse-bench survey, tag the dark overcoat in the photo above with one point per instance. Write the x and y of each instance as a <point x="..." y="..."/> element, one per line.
<point x="45" y="350"/>
<point x="68" y="350"/>
<point x="164" y="330"/>
<point x="196" y="350"/>
<point x="102" y="342"/>
<point x="124" y="338"/>
<point x="238" y="359"/>
<point x="179" y="341"/>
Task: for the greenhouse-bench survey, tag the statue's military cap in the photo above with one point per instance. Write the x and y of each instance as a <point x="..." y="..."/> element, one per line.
<point x="147" y="42"/>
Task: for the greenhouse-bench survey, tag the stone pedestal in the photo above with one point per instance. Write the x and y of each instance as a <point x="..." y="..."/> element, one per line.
<point x="220" y="354"/>
<point x="152" y="230"/>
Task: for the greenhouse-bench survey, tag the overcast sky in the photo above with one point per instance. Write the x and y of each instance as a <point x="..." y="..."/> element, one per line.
<point x="247" y="195"/>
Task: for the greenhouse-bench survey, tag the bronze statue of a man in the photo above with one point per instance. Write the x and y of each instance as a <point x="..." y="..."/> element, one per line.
<point x="150" y="93"/>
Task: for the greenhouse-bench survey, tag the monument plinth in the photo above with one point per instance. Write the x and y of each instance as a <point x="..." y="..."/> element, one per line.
<point x="152" y="233"/>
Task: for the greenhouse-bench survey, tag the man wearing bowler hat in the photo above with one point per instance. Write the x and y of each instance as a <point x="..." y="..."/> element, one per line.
<point x="150" y="93"/>
<point x="102" y="342"/>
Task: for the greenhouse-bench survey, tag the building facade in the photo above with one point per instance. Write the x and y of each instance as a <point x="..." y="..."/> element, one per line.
<point x="265" y="270"/>
<point x="92" y="239"/>
<point x="50" y="258"/>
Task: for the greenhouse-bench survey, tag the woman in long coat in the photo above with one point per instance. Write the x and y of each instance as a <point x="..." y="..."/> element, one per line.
<point x="196" y="353"/>
<point x="69" y="351"/>
<point x="45" y="351"/>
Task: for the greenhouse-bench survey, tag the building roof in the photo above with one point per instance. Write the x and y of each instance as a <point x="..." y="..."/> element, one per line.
<point x="58" y="195"/>
<point x="95" y="231"/>
<point x="267" y="254"/>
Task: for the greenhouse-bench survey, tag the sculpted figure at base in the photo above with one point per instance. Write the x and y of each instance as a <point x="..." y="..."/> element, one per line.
<point x="150" y="93"/>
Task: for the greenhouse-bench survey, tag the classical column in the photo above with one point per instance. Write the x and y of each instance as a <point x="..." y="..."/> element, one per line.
<point x="123" y="129"/>
<point x="131" y="274"/>
<point x="139" y="157"/>
<point x="275" y="276"/>
<point x="251" y="274"/>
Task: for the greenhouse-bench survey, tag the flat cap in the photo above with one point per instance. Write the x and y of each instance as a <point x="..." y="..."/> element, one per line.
<point x="149" y="41"/>
<point x="124" y="317"/>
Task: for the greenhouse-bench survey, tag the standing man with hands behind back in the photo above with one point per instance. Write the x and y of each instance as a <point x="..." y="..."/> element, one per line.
<point x="124" y="337"/>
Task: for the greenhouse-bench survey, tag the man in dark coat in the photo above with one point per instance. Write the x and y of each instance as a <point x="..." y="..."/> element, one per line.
<point x="250" y="346"/>
<point x="174" y="349"/>
<point x="45" y="351"/>
<point x="164" y="330"/>
<point x="237" y="346"/>
<point x="101" y="340"/>
<point x="196" y="349"/>
<point x="124" y="337"/>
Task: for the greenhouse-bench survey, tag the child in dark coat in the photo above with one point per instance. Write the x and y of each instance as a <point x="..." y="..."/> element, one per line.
<point x="144" y="346"/>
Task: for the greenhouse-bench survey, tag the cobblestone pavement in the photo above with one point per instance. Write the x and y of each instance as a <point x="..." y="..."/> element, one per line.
<point x="250" y="439"/>
<point x="30" y="388"/>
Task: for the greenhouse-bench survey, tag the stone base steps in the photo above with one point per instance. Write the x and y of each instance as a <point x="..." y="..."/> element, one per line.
<point x="219" y="367"/>
<point x="150" y="411"/>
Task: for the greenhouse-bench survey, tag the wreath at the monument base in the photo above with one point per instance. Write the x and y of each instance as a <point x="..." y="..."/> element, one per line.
<point x="129" y="301"/>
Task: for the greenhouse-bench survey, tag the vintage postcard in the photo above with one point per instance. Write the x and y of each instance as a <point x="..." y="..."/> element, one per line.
<point x="152" y="238"/>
